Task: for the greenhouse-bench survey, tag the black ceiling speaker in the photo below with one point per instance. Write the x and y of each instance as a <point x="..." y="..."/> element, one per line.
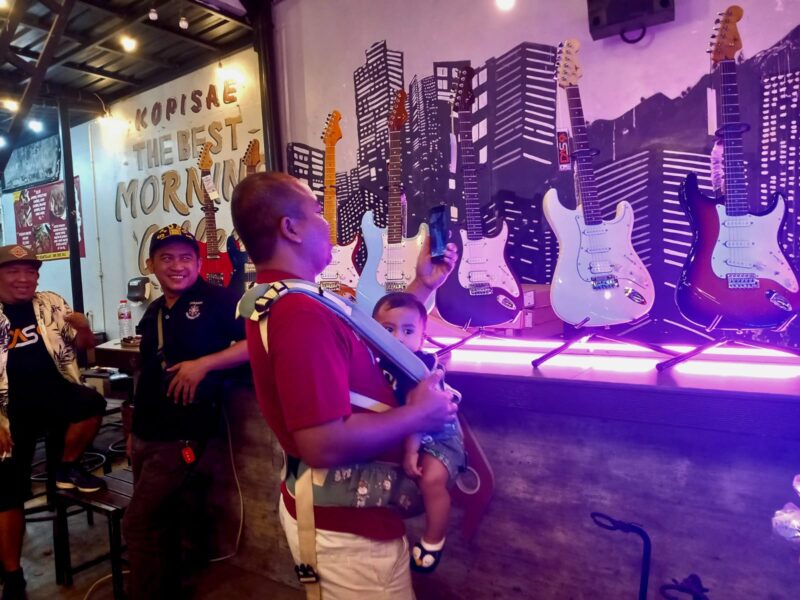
<point x="628" y="18"/>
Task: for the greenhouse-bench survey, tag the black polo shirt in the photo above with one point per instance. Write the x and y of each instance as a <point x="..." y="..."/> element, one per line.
<point x="203" y="321"/>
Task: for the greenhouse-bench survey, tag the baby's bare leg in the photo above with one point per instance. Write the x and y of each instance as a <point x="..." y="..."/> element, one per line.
<point x="433" y="485"/>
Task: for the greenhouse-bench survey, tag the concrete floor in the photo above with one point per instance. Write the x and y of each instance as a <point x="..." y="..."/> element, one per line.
<point x="218" y="581"/>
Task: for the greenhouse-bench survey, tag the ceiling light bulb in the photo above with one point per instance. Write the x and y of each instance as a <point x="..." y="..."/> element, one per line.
<point x="153" y="14"/>
<point x="3" y="4"/>
<point x="2" y="139"/>
<point x="128" y="43"/>
<point x="35" y="126"/>
<point x="183" y="23"/>
<point x="505" y="5"/>
<point x="11" y="105"/>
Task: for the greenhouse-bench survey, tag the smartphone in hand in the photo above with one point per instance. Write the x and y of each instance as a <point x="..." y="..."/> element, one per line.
<point x="439" y="224"/>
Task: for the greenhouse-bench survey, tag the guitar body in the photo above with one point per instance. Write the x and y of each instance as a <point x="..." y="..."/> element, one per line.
<point x="243" y="275"/>
<point x="599" y="279"/>
<point x="215" y="268"/>
<point x="485" y="292"/>
<point x="767" y="295"/>
<point x="389" y="267"/>
<point x="341" y="275"/>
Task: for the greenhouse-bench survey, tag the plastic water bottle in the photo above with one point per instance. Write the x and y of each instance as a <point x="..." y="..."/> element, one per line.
<point x="125" y="320"/>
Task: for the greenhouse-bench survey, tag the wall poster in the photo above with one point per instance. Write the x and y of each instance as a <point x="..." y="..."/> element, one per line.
<point x="40" y="213"/>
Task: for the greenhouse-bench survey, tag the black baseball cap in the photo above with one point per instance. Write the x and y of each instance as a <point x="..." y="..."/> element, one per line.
<point x="172" y="233"/>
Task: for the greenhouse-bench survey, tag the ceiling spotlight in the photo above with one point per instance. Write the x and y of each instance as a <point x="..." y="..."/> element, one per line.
<point x="505" y="5"/>
<point x="183" y="23"/>
<point x="35" y="126"/>
<point x="152" y="15"/>
<point x="11" y="105"/>
<point x="2" y="139"/>
<point x="3" y="6"/>
<point x="128" y="43"/>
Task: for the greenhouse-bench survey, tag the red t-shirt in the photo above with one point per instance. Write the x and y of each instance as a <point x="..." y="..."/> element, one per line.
<point x="314" y="361"/>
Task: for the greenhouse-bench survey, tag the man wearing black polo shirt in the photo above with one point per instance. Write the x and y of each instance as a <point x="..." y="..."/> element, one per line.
<point x="40" y="394"/>
<point x="190" y="340"/>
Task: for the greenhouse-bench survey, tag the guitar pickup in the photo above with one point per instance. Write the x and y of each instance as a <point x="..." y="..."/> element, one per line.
<point x="604" y="282"/>
<point x="739" y="244"/>
<point x="598" y="268"/>
<point x="737" y="222"/>
<point x="742" y="281"/>
<point x="597" y="250"/>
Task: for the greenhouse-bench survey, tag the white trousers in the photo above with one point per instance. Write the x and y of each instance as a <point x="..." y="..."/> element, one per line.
<point x="352" y="567"/>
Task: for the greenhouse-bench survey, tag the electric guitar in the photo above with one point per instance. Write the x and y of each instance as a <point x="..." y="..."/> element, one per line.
<point x="341" y="275"/>
<point x="599" y="280"/>
<point x="736" y="275"/>
<point x="244" y="271"/>
<point x="216" y="267"/>
<point x="483" y="290"/>
<point x="391" y="257"/>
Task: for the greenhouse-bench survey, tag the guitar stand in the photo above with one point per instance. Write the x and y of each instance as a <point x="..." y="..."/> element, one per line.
<point x="607" y="337"/>
<point x="443" y="350"/>
<point x="679" y="358"/>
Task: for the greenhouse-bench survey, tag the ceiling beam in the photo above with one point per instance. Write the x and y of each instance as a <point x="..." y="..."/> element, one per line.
<point x="35" y="82"/>
<point x="12" y="22"/>
<point x="232" y="18"/>
<point x="83" y="68"/>
<point x="140" y="18"/>
<point x="42" y="24"/>
<point x="49" y="94"/>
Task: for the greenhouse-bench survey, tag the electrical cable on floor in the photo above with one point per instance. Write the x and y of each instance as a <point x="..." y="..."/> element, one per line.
<point x="98" y="582"/>
<point x="238" y="488"/>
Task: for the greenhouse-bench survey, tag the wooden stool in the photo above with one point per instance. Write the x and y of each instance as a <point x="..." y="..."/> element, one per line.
<point x="110" y="503"/>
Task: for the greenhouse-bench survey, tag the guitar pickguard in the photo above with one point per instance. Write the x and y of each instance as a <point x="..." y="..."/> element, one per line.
<point x="482" y="267"/>
<point x="747" y="249"/>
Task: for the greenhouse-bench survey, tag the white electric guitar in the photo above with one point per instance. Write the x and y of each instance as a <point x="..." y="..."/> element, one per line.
<point x="391" y="257"/>
<point x="340" y="276"/>
<point x="599" y="279"/>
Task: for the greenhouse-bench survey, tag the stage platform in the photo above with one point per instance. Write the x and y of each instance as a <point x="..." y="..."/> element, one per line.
<point x="734" y="388"/>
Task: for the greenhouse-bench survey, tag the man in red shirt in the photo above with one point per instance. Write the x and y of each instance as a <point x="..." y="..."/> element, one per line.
<point x="304" y="383"/>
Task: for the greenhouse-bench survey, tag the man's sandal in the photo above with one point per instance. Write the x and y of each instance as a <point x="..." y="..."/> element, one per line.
<point x="424" y="560"/>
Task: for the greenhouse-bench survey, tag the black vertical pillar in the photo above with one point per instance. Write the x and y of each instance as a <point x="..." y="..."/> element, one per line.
<point x="261" y="14"/>
<point x="72" y="211"/>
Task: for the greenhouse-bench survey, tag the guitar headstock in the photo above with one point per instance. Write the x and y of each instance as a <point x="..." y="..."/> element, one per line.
<point x="398" y="113"/>
<point x="462" y="93"/>
<point x="252" y="156"/>
<point x="568" y="70"/>
<point x="332" y="133"/>
<point x="204" y="161"/>
<point x="725" y="39"/>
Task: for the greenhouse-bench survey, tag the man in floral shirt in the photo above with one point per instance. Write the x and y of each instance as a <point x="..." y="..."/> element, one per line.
<point x="40" y="393"/>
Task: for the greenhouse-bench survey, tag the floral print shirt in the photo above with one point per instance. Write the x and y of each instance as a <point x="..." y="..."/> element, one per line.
<point x="58" y="335"/>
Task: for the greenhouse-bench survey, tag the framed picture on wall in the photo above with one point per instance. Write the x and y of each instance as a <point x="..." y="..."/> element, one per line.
<point x="36" y="163"/>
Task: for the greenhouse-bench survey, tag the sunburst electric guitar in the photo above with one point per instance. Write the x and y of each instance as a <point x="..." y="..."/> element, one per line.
<point x="216" y="268"/>
<point x="736" y="275"/>
<point x="341" y="275"/>
<point x="244" y="271"/>
<point x="391" y="257"/>
<point x="483" y="290"/>
<point x="599" y="279"/>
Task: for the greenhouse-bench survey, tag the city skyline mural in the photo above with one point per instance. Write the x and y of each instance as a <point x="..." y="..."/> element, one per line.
<point x="642" y="156"/>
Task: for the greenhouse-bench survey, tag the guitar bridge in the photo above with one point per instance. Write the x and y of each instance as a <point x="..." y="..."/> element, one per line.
<point x="742" y="281"/>
<point x="604" y="282"/>
<point x="395" y="286"/>
<point x="330" y="285"/>
<point x="480" y="289"/>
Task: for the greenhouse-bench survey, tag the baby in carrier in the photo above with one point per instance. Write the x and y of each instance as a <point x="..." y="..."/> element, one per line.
<point x="435" y="459"/>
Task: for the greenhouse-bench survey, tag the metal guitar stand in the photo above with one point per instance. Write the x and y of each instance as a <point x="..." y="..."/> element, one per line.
<point x="443" y="350"/>
<point x="607" y="337"/>
<point x="607" y="522"/>
<point x="679" y="358"/>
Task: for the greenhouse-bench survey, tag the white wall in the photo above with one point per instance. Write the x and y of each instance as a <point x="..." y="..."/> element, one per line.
<point x="54" y="274"/>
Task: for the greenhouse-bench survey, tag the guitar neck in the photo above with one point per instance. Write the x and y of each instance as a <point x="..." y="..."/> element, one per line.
<point x="736" y="203"/>
<point x="329" y="208"/>
<point x="209" y="210"/>
<point x="587" y="188"/>
<point x="394" y="228"/>
<point x="472" y="205"/>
